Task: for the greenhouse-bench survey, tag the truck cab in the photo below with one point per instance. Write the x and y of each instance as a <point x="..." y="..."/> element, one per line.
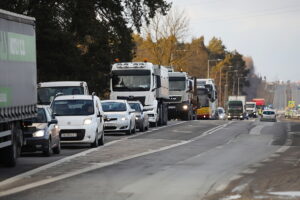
<point x="48" y="90"/>
<point x="181" y="94"/>
<point x="251" y="109"/>
<point x="144" y="82"/>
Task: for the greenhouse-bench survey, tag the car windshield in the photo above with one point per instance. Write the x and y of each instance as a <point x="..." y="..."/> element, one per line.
<point x="269" y="113"/>
<point x="41" y="117"/>
<point x="131" y="80"/>
<point x="136" y="106"/>
<point x="113" y="106"/>
<point x="220" y="111"/>
<point x="177" y="83"/>
<point x="46" y="94"/>
<point x="73" y="107"/>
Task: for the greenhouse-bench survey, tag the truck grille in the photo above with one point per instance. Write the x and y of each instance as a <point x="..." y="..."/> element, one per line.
<point x="132" y="98"/>
<point x="174" y="99"/>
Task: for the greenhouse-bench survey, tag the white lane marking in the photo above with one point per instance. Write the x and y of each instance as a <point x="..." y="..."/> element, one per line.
<point x="87" y="169"/>
<point x="257" y="129"/>
<point x="66" y="159"/>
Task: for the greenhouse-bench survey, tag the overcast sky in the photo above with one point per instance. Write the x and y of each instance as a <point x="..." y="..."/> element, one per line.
<point x="266" y="30"/>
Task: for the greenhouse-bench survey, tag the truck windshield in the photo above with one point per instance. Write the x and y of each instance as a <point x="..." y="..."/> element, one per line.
<point x="113" y="106"/>
<point x="73" y="107"/>
<point x="177" y="83"/>
<point x="131" y="80"/>
<point x="250" y="105"/>
<point x="46" y="94"/>
<point x="235" y="105"/>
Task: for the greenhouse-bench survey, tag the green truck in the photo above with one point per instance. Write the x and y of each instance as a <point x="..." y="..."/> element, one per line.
<point x="18" y="90"/>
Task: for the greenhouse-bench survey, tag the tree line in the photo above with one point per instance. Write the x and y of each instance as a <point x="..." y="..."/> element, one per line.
<point x="80" y="39"/>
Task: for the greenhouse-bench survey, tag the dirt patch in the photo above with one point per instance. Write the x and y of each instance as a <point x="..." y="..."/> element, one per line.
<point x="280" y="173"/>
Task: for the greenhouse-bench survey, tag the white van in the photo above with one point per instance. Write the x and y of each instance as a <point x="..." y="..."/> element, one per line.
<point x="80" y="118"/>
<point x="48" y="90"/>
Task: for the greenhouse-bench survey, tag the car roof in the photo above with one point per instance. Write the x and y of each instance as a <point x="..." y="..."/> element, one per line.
<point x="62" y="83"/>
<point x="135" y="102"/>
<point x="269" y="110"/>
<point x="78" y="97"/>
<point x="117" y="100"/>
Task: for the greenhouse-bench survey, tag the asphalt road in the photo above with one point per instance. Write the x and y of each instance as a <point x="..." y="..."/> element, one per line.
<point x="189" y="160"/>
<point x="29" y="161"/>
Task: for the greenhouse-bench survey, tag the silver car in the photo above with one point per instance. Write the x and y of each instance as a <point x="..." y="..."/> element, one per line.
<point x="268" y="115"/>
<point x="141" y="118"/>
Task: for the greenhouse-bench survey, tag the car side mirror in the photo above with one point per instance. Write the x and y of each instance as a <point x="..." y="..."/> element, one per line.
<point x="99" y="115"/>
<point x="53" y="121"/>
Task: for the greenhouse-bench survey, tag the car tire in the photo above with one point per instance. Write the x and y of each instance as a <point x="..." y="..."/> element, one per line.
<point x="128" y="132"/>
<point x="47" y="152"/>
<point x="134" y="129"/>
<point x="142" y="128"/>
<point x="57" y="149"/>
<point x="101" y="140"/>
<point x="95" y="144"/>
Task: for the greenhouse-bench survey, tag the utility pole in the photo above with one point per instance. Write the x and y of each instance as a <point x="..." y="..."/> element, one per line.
<point x="233" y="85"/>
<point x="208" y="66"/>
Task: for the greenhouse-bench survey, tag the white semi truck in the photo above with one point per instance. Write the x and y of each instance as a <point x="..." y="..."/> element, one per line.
<point x="145" y="82"/>
<point x="181" y="92"/>
<point x="18" y="94"/>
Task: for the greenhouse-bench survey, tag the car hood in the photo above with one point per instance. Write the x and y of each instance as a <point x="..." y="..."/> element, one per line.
<point x="115" y="114"/>
<point x="39" y="126"/>
<point x="71" y="120"/>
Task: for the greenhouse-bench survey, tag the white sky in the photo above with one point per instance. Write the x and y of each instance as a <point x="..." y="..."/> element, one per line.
<point x="266" y="30"/>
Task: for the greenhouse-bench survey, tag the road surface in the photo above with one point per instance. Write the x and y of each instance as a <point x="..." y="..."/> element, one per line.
<point x="186" y="160"/>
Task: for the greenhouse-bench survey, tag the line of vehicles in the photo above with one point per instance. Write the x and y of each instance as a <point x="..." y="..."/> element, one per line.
<point x="39" y="117"/>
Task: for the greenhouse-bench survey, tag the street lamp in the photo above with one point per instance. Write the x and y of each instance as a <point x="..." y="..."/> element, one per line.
<point x="220" y="85"/>
<point x="226" y="85"/>
<point x="208" y="61"/>
<point x="233" y="84"/>
<point x="239" y="84"/>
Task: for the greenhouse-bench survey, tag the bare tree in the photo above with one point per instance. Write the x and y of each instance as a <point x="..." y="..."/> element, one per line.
<point x="165" y="34"/>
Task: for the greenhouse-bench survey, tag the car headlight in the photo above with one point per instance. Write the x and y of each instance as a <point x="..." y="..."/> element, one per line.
<point x="39" y="133"/>
<point x="185" y="107"/>
<point x="124" y="118"/>
<point x="138" y="117"/>
<point x="87" y="121"/>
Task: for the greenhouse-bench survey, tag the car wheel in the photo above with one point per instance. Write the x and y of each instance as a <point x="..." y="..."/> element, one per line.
<point x="101" y="140"/>
<point x="134" y="129"/>
<point x="95" y="143"/>
<point x="57" y="149"/>
<point x="128" y="132"/>
<point x="142" y="127"/>
<point x="47" y="152"/>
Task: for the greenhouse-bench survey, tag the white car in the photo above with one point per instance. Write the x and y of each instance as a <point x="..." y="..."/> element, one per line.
<point x="80" y="118"/>
<point x="118" y="116"/>
<point x="221" y="113"/>
<point x="141" y="118"/>
<point x="268" y="115"/>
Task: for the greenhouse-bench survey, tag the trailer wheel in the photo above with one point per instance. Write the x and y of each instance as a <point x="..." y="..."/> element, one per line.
<point x="11" y="153"/>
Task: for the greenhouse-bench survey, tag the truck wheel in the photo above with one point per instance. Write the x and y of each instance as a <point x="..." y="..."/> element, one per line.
<point x="11" y="153"/>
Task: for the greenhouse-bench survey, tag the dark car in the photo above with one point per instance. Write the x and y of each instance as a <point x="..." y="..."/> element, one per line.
<point x="141" y="118"/>
<point x="42" y="133"/>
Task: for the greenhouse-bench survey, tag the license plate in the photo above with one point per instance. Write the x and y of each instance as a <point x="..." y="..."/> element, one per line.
<point x="69" y="135"/>
<point x="110" y="124"/>
<point x="172" y="107"/>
